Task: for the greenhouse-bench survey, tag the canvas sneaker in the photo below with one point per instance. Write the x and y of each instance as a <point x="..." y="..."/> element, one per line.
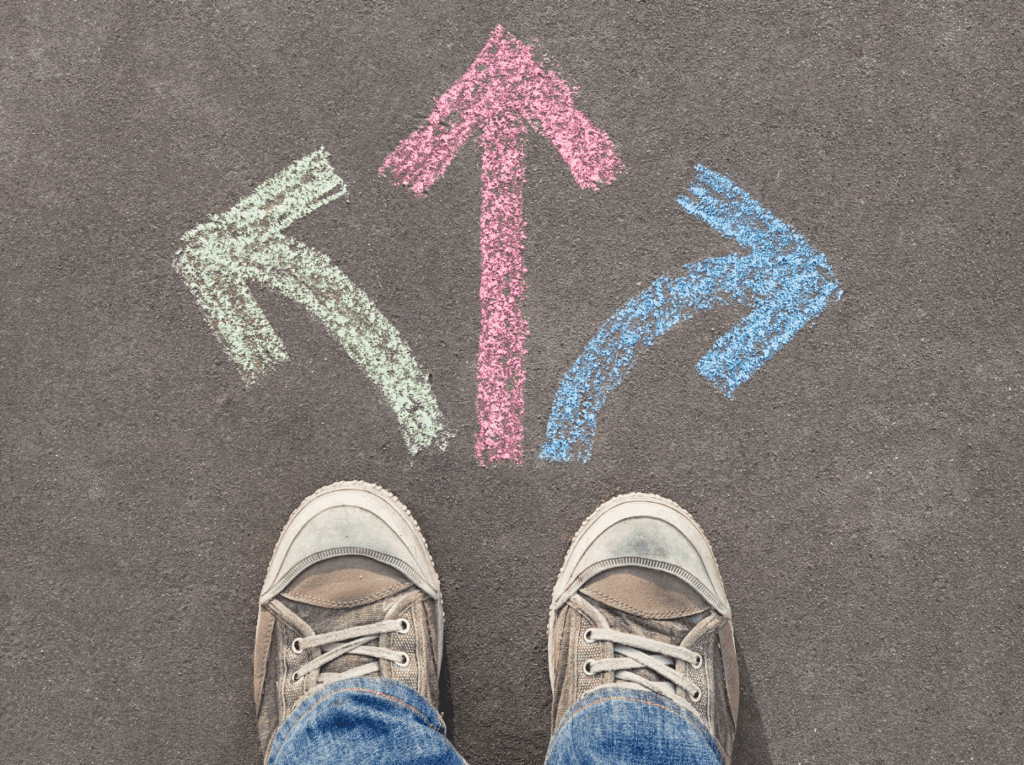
<point x="639" y="602"/>
<point x="351" y="591"/>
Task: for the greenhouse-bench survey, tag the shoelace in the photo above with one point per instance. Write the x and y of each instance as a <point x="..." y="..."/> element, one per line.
<point x="635" y="652"/>
<point x="352" y="640"/>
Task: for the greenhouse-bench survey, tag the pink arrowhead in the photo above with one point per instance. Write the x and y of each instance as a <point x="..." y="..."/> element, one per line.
<point x="503" y="93"/>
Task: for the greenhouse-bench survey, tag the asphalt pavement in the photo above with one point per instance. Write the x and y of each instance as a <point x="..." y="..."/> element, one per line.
<point x="862" y="489"/>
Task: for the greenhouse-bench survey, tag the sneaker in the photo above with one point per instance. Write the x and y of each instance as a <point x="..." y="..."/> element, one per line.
<point x="351" y="592"/>
<point x="639" y="602"/>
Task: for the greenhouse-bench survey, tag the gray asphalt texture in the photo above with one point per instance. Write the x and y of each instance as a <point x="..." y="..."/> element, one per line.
<point x="862" y="491"/>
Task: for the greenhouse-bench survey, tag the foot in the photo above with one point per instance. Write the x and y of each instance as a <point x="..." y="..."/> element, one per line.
<point x="351" y="592"/>
<point x="639" y="602"/>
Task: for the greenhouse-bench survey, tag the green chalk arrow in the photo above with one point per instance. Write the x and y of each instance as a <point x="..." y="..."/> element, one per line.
<point x="245" y="244"/>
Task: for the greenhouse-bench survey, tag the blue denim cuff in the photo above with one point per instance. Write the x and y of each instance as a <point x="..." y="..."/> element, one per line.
<point x="632" y="725"/>
<point x="359" y="705"/>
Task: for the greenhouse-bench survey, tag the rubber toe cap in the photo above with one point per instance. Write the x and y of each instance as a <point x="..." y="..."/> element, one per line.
<point x="649" y="532"/>
<point x="351" y="521"/>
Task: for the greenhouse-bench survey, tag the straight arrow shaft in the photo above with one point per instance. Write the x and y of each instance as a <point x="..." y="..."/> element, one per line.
<point x="503" y="328"/>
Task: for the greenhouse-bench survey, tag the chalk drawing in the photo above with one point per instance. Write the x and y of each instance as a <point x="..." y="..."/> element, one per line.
<point x="785" y="281"/>
<point x="245" y="244"/>
<point x="502" y="94"/>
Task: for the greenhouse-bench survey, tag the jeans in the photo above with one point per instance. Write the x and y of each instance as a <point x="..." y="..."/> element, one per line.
<point x="371" y="720"/>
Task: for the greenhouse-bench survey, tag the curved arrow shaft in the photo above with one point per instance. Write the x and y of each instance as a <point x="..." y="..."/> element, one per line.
<point x="611" y="353"/>
<point x="308" y="277"/>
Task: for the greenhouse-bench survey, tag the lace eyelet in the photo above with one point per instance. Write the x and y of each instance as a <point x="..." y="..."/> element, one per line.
<point x="588" y="636"/>
<point x="295" y="646"/>
<point x="405" y="628"/>
<point x="698" y="662"/>
<point x="404" y="662"/>
<point x="695" y="696"/>
<point x="296" y="678"/>
<point x="586" y="667"/>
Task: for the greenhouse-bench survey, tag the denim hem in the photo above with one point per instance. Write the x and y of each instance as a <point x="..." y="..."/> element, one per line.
<point x="635" y="700"/>
<point x="393" y="691"/>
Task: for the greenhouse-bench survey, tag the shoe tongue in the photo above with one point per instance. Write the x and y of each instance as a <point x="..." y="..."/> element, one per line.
<point x="645" y="592"/>
<point x="664" y="630"/>
<point x="344" y="592"/>
<point x="347" y="581"/>
<point x="323" y="620"/>
<point x="649" y="603"/>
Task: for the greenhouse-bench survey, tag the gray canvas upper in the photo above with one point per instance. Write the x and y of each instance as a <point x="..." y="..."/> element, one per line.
<point x="640" y="601"/>
<point x="350" y="591"/>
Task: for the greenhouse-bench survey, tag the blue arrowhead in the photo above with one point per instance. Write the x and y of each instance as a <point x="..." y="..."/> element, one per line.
<point x="786" y="282"/>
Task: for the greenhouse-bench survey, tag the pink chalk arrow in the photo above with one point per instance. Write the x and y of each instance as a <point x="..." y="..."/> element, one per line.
<point x="502" y="94"/>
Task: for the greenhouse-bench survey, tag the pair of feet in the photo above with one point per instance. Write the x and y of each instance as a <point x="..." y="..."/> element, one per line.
<point x="351" y="591"/>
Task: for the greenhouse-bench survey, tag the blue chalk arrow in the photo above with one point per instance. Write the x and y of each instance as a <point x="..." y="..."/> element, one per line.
<point x="784" y="280"/>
